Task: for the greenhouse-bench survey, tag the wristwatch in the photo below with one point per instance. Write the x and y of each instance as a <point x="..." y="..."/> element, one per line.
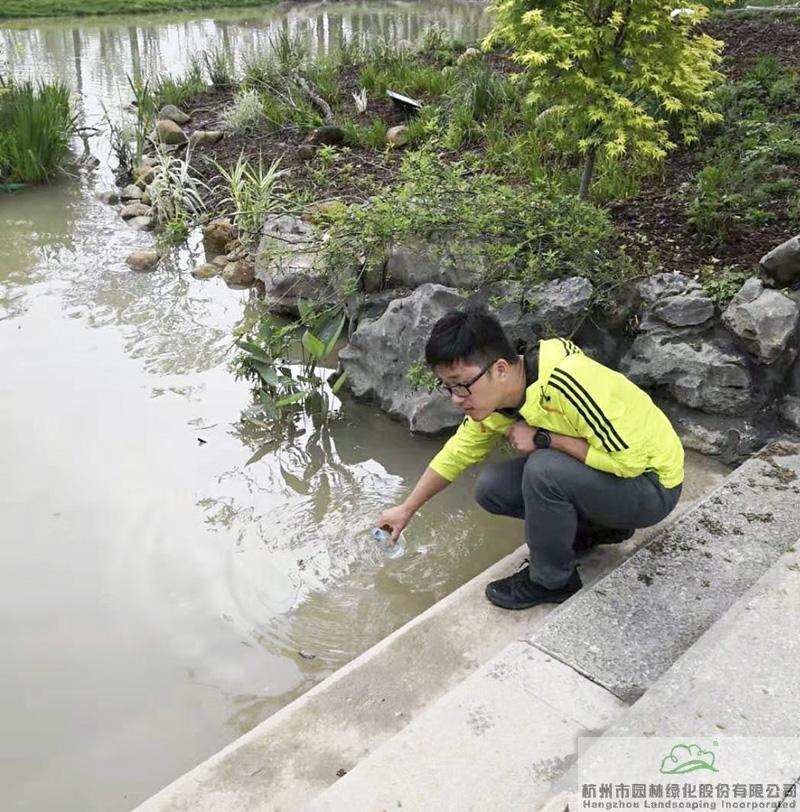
<point x="542" y="438"/>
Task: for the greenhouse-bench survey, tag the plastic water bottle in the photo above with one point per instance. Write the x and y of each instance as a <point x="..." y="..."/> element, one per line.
<point x="396" y="550"/>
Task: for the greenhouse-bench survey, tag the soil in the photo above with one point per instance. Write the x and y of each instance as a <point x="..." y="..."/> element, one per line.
<point x="653" y="225"/>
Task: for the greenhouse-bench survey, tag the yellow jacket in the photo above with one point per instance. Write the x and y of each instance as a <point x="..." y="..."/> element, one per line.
<point x="578" y="397"/>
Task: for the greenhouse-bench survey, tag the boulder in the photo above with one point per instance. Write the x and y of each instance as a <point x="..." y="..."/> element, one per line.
<point x="709" y="374"/>
<point x="661" y="285"/>
<point x="732" y="439"/>
<point x="144" y="260"/>
<point x="140" y="223"/>
<point x="789" y="411"/>
<point x="419" y="262"/>
<point x="397" y="136"/>
<point x="362" y="307"/>
<point x="135" y="210"/>
<point x="109" y="198"/>
<point x="764" y="320"/>
<point x="168" y="132"/>
<point x="131" y="192"/>
<point x="201" y="138"/>
<point x="382" y="351"/>
<point x="239" y="274"/>
<point x="782" y="264"/>
<point x="288" y="263"/>
<point x="616" y="310"/>
<point x="207" y="270"/>
<point x="216" y="236"/>
<point x="693" y="308"/>
<point x="170" y="112"/>
<point x="504" y="300"/>
<point x="557" y="308"/>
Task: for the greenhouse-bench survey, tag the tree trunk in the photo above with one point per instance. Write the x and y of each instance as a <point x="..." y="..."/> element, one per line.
<point x="588" y="171"/>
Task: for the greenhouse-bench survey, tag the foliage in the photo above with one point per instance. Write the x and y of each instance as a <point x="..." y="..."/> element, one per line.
<point x="291" y="51"/>
<point x="253" y="191"/>
<point x="144" y="103"/>
<point x="532" y="234"/>
<point x="745" y="179"/>
<point x="721" y="282"/>
<point x="616" y="77"/>
<point x="85" y="8"/>
<point x="245" y="116"/>
<point x="219" y="64"/>
<point x="36" y="125"/>
<point x="175" y="194"/>
<point x="421" y="377"/>
<point x="179" y="90"/>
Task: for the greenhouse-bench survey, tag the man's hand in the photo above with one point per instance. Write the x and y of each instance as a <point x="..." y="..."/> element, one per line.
<point x="520" y="435"/>
<point x="395" y="518"/>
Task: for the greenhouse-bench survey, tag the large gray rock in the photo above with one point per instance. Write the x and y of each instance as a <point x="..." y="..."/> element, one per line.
<point x="418" y="262"/>
<point x="381" y="352"/>
<point x="504" y="300"/>
<point x="168" y="132"/>
<point x="691" y="309"/>
<point x="557" y="308"/>
<point x="783" y="263"/>
<point x="672" y="302"/>
<point x="706" y="373"/>
<point x="660" y="285"/>
<point x="173" y="113"/>
<point x="764" y="319"/>
<point x="289" y="263"/>
<point x="789" y="410"/>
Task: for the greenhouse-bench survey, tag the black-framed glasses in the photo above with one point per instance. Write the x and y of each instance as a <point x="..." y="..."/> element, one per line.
<point x="462" y="390"/>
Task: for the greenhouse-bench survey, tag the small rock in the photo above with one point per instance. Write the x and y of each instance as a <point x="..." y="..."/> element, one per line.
<point x="241" y="273"/>
<point x="145" y="169"/>
<point x="783" y="263"/>
<point x="469" y="55"/>
<point x="131" y="192"/>
<point x="201" y="138"/>
<point x="306" y="152"/>
<point x="221" y="260"/>
<point x="140" y="223"/>
<point x="109" y="198"/>
<point x="146" y="199"/>
<point x="168" y="132"/>
<point x="397" y="136"/>
<point x="172" y="113"/>
<point x="329" y="134"/>
<point x="135" y="210"/>
<point x="217" y="234"/>
<point x="206" y="271"/>
<point x="144" y="260"/>
<point x="322" y="209"/>
<point x="146" y="177"/>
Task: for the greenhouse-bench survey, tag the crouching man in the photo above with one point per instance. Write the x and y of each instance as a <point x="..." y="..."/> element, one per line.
<point x="595" y="450"/>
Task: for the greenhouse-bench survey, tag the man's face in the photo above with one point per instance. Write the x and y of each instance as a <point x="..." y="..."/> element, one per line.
<point x="483" y="396"/>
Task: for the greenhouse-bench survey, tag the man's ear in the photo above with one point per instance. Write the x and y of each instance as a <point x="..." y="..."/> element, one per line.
<point x="501" y="367"/>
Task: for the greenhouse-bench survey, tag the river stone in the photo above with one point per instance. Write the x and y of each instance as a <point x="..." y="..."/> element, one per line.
<point x="216" y="236"/>
<point x="168" y="132"/>
<point x="207" y="270"/>
<point x="172" y="113"/>
<point x="381" y="352"/>
<point x="418" y="262"/>
<point x="131" y="192"/>
<point x="288" y="263"/>
<point x="147" y="177"/>
<point x="144" y="260"/>
<point x="109" y="198"/>
<point x="709" y="374"/>
<point x="764" y="319"/>
<point x="783" y="263"/>
<point x="135" y="210"/>
<point x="201" y="138"/>
<point x="397" y="136"/>
<point x="140" y="223"/>
<point x="241" y="273"/>
<point x="145" y="170"/>
<point x="556" y="308"/>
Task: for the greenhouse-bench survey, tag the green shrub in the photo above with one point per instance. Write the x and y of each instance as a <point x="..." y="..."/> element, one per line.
<point x="246" y="115"/>
<point x="36" y="125"/>
<point x="179" y="90"/>
<point x="219" y="64"/>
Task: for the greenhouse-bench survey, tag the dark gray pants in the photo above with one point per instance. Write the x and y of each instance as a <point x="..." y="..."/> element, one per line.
<point x="555" y="493"/>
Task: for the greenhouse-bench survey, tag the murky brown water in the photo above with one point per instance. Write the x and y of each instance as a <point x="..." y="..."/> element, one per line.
<point x="155" y="593"/>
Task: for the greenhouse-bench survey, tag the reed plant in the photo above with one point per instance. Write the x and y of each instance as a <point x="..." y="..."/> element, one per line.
<point x="176" y="194"/>
<point x="36" y="126"/>
<point x="219" y="65"/>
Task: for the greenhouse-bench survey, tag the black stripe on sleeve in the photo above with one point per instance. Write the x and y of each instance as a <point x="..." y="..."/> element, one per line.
<point x="597" y="409"/>
<point x="566" y="346"/>
<point x="570" y="396"/>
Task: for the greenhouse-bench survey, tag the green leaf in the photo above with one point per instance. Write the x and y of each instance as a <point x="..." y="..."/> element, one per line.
<point x="254" y="351"/>
<point x="267" y="373"/>
<point x="297" y="396"/>
<point x="339" y="383"/>
<point x="262" y="451"/>
<point x="313" y="345"/>
<point x="305" y="309"/>
<point x="334" y="337"/>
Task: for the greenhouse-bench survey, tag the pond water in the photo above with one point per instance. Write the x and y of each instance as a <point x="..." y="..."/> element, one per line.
<point x="158" y="597"/>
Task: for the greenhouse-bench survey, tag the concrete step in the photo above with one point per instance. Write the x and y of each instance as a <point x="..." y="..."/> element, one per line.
<point x="296" y="754"/>
<point x="501" y="738"/>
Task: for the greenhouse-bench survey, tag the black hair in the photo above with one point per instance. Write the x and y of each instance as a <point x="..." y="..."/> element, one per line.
<point x="472" y="336"/>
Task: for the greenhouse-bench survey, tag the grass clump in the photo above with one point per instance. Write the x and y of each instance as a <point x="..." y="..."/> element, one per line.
<point x="36" y="125"/>
<point x="246" y="115"/>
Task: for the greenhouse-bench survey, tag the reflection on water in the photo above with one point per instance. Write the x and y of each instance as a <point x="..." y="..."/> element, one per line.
<point x="158" y="596"/>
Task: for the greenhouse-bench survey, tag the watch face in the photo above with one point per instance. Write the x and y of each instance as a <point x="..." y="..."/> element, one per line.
<point x="541" y="439"/>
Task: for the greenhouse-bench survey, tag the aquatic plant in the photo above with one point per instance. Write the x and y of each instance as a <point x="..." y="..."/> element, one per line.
<point x="36" y="126"/>
<point x="175" y="193"/>
<point x="245" y="116"/>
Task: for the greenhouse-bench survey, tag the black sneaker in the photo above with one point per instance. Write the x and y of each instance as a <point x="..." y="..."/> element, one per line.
<point x="519" y="592"/>
<point x="593" y="535"/>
